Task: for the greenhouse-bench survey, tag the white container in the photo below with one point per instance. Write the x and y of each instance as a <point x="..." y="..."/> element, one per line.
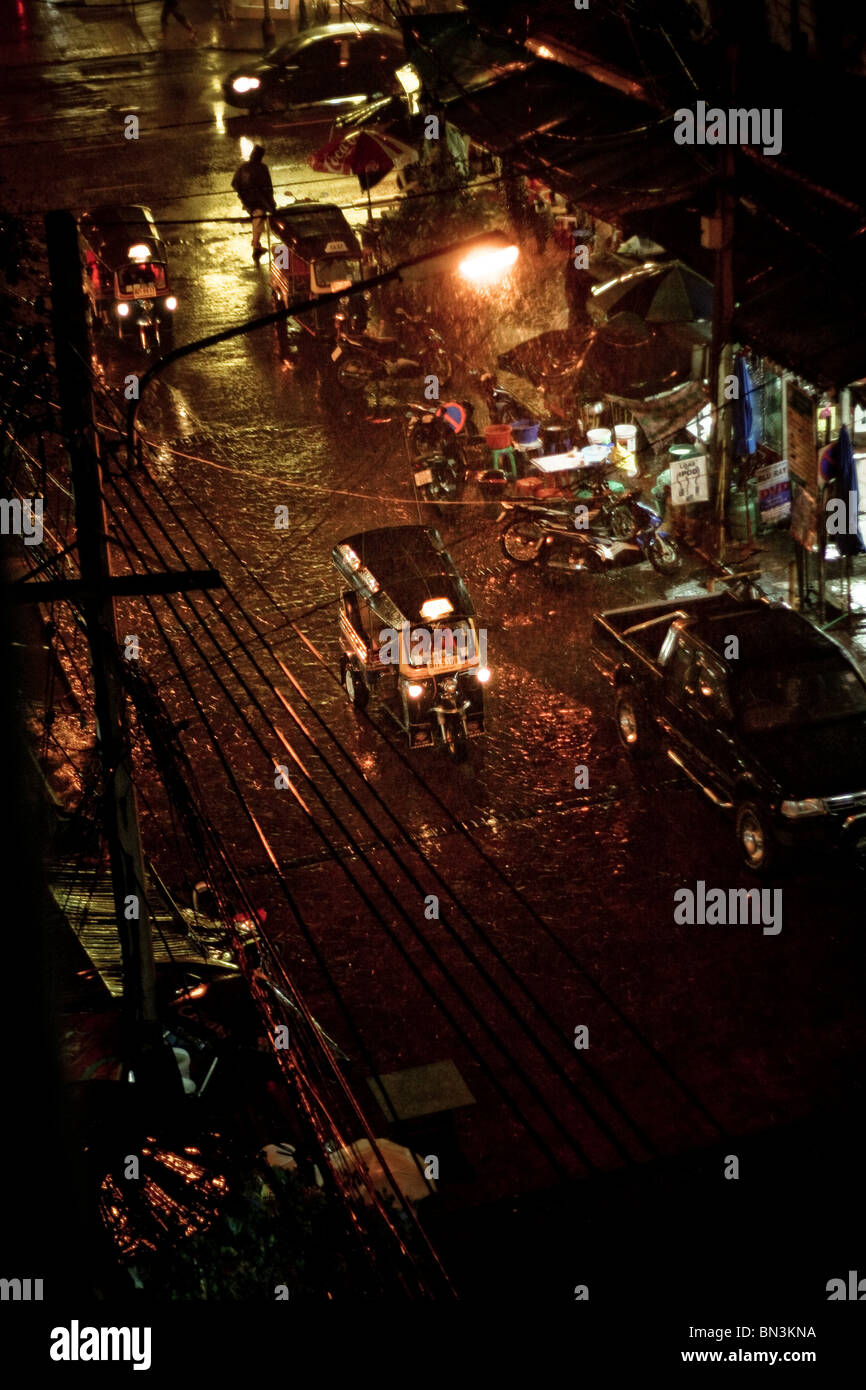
<point x="598" y="436"/>
<point x="625" y="436"/>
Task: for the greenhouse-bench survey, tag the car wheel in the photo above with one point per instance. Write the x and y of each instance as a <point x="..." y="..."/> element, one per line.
<point x="356" y="691"/>
<point x="755" y="836"/>
<point x="631" y="724"/>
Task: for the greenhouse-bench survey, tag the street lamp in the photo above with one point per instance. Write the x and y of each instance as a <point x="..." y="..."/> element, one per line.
<point x="479" y="259"/>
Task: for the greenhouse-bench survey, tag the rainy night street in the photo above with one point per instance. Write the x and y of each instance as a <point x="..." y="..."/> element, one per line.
<point x="494" y="936"/>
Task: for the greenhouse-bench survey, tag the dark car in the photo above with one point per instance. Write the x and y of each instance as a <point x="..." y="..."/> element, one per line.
<point x="336" y="64"/>
<point x="759" y="708"/>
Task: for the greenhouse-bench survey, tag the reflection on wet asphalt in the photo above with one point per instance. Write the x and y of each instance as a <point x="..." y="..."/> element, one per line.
<point x="563" y="894"/>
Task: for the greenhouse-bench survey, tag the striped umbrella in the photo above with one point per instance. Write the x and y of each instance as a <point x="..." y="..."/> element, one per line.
<point x="368" y="154"/>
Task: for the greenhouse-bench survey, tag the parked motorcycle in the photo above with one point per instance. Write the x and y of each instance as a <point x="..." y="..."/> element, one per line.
<point x="438" y="437"/>
<point x="361" y="358"/>
<point x="560" y="538"/>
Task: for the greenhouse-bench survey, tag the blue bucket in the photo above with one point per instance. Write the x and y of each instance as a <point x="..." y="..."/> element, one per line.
<point x="525" y="431"/>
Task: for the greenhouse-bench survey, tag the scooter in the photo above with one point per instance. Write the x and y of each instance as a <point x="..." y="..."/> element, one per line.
<point x="437" y="438"/>
<point x="559" y="538"/>
<point x="361" y="358"/>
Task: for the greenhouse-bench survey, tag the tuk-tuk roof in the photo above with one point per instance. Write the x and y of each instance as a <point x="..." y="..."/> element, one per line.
<point x="113" y="227"/>
<point x="403" y="566"/>
<point x="316" y="229"/>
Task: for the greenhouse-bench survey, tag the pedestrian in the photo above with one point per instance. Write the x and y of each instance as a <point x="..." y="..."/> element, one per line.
<point x="252" y="183"/>
<point x="578" y="282"/>
<point x="172" y="7"/>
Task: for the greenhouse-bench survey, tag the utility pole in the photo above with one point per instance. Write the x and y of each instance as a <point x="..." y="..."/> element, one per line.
<point x="150" y="1059"/>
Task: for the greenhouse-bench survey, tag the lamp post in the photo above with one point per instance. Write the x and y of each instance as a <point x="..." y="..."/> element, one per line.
<point x="483" y="259"/>
<point x="269" y="33"/>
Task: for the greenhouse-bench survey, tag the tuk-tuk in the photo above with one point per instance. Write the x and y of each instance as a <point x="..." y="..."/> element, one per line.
<point x="408" y="633"/>
<point x="126" y="272"/>
<point x="313" y="250"/>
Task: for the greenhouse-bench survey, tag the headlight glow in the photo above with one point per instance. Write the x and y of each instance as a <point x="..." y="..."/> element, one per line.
<point x="414" y="691"/>
<point x="483" y="674"/>
<point x="812" y="806"/>
<point x="245" y="84"/>
<point x="123" y="310"/>
<point x="171" y="303"/>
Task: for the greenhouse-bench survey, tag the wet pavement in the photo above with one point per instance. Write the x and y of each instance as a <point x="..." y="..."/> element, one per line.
<point x="556" y="901"/>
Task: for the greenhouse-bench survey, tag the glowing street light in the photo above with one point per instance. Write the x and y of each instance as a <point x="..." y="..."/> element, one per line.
<point x="485" y="266"/>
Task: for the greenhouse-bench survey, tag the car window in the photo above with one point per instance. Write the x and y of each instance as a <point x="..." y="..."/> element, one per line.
<point x="681" y="670"/>
<point x="792" y="697"/>
<point x="710" y="687"/>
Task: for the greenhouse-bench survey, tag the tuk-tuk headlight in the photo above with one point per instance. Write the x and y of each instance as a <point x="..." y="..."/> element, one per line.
<point x="414" y="691"/>
<point x="245" y="84"/>
<point x="483" y="674"/>
<point x="123" y="310"/>
<point x="171" y="303"/>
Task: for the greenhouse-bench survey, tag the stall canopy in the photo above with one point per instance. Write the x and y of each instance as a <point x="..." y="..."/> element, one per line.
<point x="600" y="130"/>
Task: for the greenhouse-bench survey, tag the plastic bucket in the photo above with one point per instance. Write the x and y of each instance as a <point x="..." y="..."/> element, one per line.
<point x="525" y="431"/>
<point x="598" y="436"/>
<point x="625" y="436"/>
<point x="497" y="436"/>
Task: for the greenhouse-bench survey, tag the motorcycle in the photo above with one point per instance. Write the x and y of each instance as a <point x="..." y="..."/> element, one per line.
<point x="560" y="538"/>
<point x="437" y="438"/>
<point x="361" y="358"/>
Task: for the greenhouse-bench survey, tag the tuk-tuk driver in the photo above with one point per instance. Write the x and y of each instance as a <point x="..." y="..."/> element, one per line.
<point x="252" y="183"/>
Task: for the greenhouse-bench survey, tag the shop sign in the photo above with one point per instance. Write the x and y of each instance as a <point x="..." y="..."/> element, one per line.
<point x="774" y="491"/>
<point x="689" y="480"/>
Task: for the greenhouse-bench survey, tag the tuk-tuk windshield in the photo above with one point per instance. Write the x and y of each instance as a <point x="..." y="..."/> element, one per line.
<point x="443" y="646"/>
<point x="146" y="278"/>
<point x="335" y="271"/>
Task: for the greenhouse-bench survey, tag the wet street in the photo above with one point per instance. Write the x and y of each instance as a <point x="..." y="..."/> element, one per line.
<point x="555" y="889"/>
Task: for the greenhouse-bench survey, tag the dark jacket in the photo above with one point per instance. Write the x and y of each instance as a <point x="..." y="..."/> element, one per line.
<point x="252" y="183"/>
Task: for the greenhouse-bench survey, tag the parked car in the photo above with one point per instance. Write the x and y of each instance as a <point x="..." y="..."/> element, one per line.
<point x="765" y="713"/>
<point x="336" y="64"/>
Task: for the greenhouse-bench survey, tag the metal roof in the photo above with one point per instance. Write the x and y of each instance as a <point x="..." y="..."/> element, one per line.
<point x="410" y="565"/>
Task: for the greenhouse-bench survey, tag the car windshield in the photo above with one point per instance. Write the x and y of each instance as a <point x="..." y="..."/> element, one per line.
<point x="792" y="697"/>
<point x="285" y="52"/>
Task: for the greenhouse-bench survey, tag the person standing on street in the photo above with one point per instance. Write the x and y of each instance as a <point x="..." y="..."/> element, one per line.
<point x="172" y="7"/>
<point x="252" y="183"/>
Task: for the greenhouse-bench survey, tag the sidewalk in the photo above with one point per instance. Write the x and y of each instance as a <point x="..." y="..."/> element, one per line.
<point x="38" y="33"/>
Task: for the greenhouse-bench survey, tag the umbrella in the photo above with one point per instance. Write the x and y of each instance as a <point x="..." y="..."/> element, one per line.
<point x="368" y="154"/>
<point x="402" y="1164"/>
<point x="659" y="293"/>
<point x="623" y="355"/>
<point x="838" y="468"/>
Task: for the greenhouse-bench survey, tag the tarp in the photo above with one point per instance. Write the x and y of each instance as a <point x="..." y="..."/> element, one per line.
<point x="664" y="416"/>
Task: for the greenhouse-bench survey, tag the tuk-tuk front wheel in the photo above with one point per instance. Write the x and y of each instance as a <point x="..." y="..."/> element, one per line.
<point x="353" y="683"/>
<point x="455" y="740"/>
